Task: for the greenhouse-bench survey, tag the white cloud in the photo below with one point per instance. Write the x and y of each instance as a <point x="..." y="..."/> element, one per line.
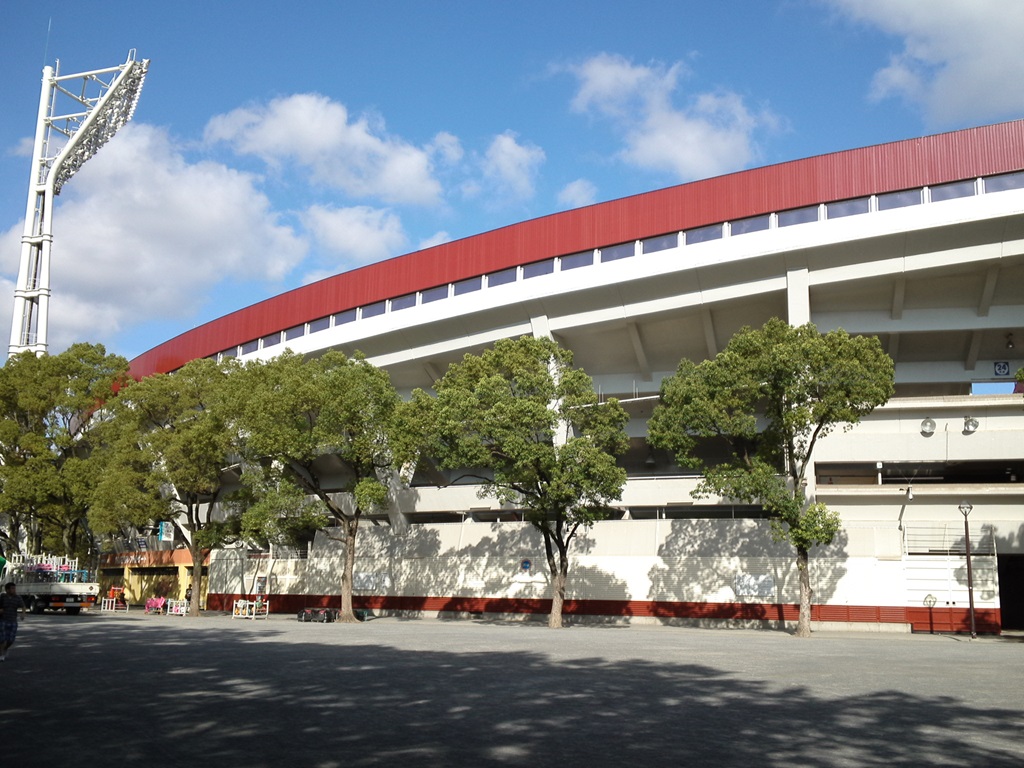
<point x="435" y="239"/>
<point x="511" y="168"/>
<point x="613" y="86"/>
<point x="712" y="135"/>
<point x="23" y="148"/>
<point x="359" y="235"/>
<point x="355" y="156"/>
<point x="961" y="61"/>
<point x="140" y="234"/>
<point x="9" y="244"/>
<point x="577" y="193"/>
<point x="447" y="147"/>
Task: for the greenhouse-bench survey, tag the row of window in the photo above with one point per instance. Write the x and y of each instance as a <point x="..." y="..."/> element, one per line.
<point x="821" y="212"/>
<point x="680" y="512"/>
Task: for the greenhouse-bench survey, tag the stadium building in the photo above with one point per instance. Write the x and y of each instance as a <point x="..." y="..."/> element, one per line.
<point x="918" y="242"/>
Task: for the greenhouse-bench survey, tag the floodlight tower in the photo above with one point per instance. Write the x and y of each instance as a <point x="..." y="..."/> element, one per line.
<point x="78" y="114"/>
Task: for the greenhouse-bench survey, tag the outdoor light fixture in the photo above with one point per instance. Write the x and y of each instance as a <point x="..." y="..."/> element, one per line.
<point x="1009" y="341"/>
<point x="965" y="510"/>
<point x="970" y="425"/>
<point x="928" y="427"/>
<point x="910" y="493"/>
<point x="78" y="114"/>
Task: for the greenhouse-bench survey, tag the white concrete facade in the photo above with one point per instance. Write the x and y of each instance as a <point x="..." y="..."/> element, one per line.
<point x="936" y="271"/>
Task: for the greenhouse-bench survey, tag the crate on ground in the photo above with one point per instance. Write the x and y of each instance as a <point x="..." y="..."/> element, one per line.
<point x="250" y="609"/>
<point x="322" y="615"/>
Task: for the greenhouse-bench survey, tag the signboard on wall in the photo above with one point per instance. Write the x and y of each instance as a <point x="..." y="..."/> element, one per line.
<point x="166" y="532"/>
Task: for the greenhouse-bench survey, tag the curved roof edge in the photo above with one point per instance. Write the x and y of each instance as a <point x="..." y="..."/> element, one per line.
<point x="928" y="160"/>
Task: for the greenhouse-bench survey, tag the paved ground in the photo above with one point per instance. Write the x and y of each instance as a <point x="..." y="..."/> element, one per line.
<point x="125" y="690"/>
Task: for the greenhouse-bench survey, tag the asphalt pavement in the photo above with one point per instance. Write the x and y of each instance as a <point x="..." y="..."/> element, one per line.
<point x="129" y="689"/>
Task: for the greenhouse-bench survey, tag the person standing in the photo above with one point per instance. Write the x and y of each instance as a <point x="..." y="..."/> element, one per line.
<point x="10" y="602"/>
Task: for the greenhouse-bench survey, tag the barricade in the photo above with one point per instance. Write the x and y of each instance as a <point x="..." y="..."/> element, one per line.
<point x="155" y="604"/>
<point x="250" y="609"/>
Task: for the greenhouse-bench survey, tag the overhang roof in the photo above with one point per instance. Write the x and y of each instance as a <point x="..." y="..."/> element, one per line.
<point x="879" y="169"/>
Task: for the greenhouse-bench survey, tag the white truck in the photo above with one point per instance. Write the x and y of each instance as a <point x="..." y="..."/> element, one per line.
<point x="51" y="581"/>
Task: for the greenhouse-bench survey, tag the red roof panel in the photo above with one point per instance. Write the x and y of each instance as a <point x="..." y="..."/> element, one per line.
<point x="882" y="168"/>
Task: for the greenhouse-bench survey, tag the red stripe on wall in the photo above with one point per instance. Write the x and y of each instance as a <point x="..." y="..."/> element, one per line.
<point x="921" y="619"/>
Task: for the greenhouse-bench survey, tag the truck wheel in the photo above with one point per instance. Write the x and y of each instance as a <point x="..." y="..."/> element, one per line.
<point x="73" y="611"/>
<point x="36" y="606"/>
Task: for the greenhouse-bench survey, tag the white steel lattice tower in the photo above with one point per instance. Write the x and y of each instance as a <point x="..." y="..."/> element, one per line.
<point x="78" y="114"/>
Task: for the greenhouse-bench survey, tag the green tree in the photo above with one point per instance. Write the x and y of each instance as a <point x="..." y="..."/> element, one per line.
<point x="171" y="456"/>
<point x="321" y="447"/>
<point x="49" y="428"/>
<point x="771" y="394"/>
<point x="521" y="412"/>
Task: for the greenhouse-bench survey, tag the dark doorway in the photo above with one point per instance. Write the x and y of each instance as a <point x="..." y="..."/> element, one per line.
<point x="1011" y="591"/>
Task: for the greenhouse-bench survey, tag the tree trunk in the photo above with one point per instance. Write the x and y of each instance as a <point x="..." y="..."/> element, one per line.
<point x="69" y="538"/>
<point x="558" y="595"/>
<point x="803" y="626"/>
<point x="351" y="525"/>
<point x="559" y="570"/>
<point x="197" y="579"/>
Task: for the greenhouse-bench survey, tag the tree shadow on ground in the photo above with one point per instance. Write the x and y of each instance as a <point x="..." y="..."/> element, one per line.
<point x="160" y="693"/>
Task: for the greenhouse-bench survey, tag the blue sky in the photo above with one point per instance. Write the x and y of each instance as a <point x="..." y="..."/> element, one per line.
<point x="278" y="143"/>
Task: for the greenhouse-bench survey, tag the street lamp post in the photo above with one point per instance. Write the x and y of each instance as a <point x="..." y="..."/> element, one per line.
<point x="965" y="510"/>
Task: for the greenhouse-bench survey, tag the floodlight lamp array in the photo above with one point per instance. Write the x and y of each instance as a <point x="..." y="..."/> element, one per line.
<point x="114" y="110"/>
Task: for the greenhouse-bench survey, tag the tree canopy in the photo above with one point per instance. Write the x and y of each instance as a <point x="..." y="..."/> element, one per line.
<point x="521" y="412"/>
<point x="48" y="433"/>
<point x="321" y="447"/>
<point x="771" y="395"/>
<point x="171" y="457"/>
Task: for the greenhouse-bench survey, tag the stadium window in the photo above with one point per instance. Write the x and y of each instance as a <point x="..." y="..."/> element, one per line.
<point x="660" y="243"/>
<point x="798" y="216"/>
<point x="348" y="316"/>
<point x="703" y="234"/>
<point x="843" y="208"/>
<point x="467" y="286"/>
<point x="227" y="354"/>
<point x="295" y="332"/>
<point x="951" y="191"/>
<point x="434" y="294"/>
<point x="576" y="260"/>
<point x="616" y="252"/>
<point x="1004" y="182"/>
<point x="538" y="268"/>
<point x="502" y="277"/>
<point x="320" y="324"/>
<point x="403" y="302"/>
<point x="250" y="346"/>
<point x="373" y="310"/>
<point x="752" y="224"/>
<point x="891" y="200"/>
<point x="271" y="340"/>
